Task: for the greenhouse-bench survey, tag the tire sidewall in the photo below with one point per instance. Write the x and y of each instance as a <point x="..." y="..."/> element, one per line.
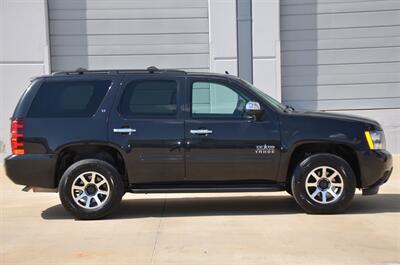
<point x="103" y="168"/>
<point x="310" y="163"/>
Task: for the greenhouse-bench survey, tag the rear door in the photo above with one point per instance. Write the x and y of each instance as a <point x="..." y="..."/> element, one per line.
<point x="146" y="122"/>
<point x="223" y="145"/>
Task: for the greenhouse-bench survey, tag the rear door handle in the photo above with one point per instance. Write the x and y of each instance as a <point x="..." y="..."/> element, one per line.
<point x="124" y="130"/>
<point x="201" y="132"/>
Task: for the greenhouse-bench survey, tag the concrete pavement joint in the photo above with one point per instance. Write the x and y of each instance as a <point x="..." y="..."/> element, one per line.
<point x="158" y="232"/>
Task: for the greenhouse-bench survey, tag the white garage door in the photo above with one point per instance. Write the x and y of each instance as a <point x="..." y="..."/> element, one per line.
<point x="129" y="34"/>
<point x="341" y="54"/>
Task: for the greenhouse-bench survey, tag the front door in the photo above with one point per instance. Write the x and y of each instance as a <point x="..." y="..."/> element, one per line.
<point x="146" y="122"/>
<point x="223" y="144"/>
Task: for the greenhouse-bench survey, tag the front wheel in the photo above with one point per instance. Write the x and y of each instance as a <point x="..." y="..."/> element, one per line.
<point x="323" y="184"/>
<point x="90" y="189"/>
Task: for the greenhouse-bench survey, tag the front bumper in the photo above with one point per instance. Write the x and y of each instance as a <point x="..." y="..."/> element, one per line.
<point x="31" y="170"/>
<point x="375" y="169"/>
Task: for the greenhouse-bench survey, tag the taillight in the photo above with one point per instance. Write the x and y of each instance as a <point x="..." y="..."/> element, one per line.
<point x="17" y="136"/>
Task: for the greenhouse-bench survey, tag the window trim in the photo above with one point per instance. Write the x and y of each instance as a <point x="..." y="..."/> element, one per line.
<point x="226" y="83"/>
<point x="147" y="117"/>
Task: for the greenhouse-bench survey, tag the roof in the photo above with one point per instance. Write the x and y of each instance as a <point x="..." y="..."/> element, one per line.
<point x="149" y="70"/>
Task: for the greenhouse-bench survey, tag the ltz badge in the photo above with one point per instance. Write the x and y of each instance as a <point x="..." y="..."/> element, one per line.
<point x="265" y="149"/>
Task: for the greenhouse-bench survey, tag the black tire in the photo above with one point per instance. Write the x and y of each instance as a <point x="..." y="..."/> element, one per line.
<point x="115" y="187"/>
<point x="311" y="164"/>
<point x="289" y="189"/>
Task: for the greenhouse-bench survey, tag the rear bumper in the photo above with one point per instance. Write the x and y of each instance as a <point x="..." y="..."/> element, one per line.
<point x="375" y="168"/>
<point x="31" y="170"/>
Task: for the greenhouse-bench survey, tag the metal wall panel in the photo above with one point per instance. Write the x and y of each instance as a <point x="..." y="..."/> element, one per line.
<point x="129" y="34"/>
<point x="124" y="4"/>
<point x="341" y="55"/>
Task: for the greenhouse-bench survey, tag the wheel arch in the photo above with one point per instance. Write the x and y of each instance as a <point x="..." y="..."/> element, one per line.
<point x="71" y="153"/>
<point x="304" y="150"/>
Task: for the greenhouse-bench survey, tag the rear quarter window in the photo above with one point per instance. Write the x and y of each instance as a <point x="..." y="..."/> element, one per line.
<point x="68" y="98"/>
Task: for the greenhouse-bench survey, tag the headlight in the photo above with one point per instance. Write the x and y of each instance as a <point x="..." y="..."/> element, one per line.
<point x="375" y="140"/>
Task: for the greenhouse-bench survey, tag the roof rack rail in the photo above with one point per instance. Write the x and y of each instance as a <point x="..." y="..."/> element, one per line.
<point x="81" y="71"/>
<point x="151" y="70"/>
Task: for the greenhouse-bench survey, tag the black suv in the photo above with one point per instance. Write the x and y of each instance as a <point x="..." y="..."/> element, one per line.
<point x="95" y="135"/>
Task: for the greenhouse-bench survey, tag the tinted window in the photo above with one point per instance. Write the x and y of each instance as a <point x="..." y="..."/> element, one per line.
<point x="149" y="98"/>
<point x="68" y="98"/>
<point x="216" y="100"/>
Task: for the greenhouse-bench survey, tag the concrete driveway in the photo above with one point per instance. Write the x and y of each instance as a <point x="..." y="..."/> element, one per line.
<point x="218" y="229"/>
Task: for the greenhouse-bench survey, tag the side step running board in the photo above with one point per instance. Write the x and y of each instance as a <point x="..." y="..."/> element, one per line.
<point x="205" y="189"/>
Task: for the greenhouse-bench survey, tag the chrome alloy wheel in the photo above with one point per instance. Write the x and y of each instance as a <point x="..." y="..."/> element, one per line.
<point x="324" y="185"/>
<point x="90" y="190"/>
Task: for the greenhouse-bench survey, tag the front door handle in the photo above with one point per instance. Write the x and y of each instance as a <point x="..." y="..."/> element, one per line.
<point x="201" y="132"/>
<point x="124" y="130"/>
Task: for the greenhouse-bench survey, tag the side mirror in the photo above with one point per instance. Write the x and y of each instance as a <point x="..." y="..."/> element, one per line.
<point x="253" y="110"/>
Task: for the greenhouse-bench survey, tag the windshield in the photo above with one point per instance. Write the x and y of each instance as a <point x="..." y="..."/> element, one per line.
<point x="269" y="99"/>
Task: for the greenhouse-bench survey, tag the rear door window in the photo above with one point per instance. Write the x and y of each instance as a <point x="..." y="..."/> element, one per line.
<point x="149" y="98"/>
<point x="68" y="98"/>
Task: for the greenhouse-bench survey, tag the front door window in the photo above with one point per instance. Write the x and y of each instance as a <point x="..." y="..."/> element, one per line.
<point x="214" y="100"/>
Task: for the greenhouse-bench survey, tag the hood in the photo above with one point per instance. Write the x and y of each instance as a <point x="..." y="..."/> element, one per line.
<point x="329" y="115"/>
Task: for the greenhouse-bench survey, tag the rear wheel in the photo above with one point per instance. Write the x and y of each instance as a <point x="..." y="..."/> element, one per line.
<point x="289" y="190"/>
<point x="323" y="183"/>
<point x="90" y="189"/>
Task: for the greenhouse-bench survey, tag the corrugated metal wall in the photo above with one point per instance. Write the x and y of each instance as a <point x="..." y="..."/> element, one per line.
<point x="100" y="34"/>
<point x="341" y="54"/>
